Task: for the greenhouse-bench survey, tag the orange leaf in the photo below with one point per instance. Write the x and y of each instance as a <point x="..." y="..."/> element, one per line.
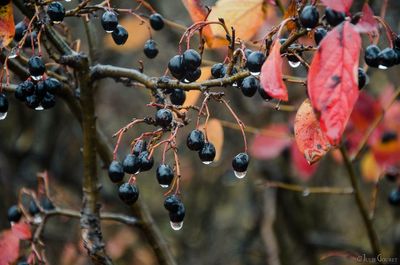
<point x="22" y="231"/>
<point x="291" y="11"/>
<point x="310" y="139"/>
<point x="215" y="135"/>
<point x="9" y="246"/>
<point x="193" y="96"/>
<point x="370" y="169"/>
<point x="7" y="27"/>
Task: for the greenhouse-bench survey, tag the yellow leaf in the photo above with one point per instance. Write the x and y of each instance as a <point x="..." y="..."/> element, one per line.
<point x="215" y="135"/>
<point x="370" y="169"/>
<point x="7" y="27"/>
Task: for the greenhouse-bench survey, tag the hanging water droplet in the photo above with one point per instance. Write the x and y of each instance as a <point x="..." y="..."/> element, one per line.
<point x="176" y="226"/>
<point x="37" y="78"/>
<point x="164" y="186"/>
<point x="186" y="81"/>
<point x="240" y="175"/>
<point x="207" y="162"/>
<point x="3" y="115"/>
<point x="306" y="192"/>
<point x="308" y="29"/>
<point x="234" y="84"/>
<point x="382" y="67"/>
<point x="37" y="219"/>
<point x="109" y="31"/>
<point x="294" y="64"/>
<point x="56" y="22"/>
<point x="255" y="73"/>
<point x="67" y="0"/>
<point x="39" y="108"/>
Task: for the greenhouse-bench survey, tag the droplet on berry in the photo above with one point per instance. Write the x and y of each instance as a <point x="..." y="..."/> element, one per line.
<point x="165" y="175"/>
<point x="116" y="171"/>
<point x="294" y="64"/>
<point x="39" y="108"/>
<point x="387" y="58"/>
<point x="3" y="106"/>
<point x="150" y="49"/>
<point x="131" y="164"/>
<point x="207" y="153"/>
<point x="109" y="21"/>
<point x="176" y="217"/>
<point x="163" y="117"/>
<point x="240" y="163"/>
<point x="156" y="21"/>
<point x="371" y="55"/>
<point x="14" y="214"/>
<point x="128" y="193"/>
<point x="120" y="35"/>
<point x="195" y="140"/>
<point x="56" y="12"/>
<point x="36" y="67"/>
<point x="176" y="225"/>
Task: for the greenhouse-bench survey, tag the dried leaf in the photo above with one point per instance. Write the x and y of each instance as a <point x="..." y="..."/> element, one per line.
<point x="215" y="135"/>
<point x="338" y="5"/>
<point x="7" y="26"/>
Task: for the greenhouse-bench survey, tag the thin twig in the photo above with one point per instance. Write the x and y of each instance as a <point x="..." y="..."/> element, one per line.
<point x="309" y="190"/>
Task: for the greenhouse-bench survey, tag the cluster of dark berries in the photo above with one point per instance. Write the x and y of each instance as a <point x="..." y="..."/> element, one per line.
<point x="36" y="92"/>
<point x="14" y="213"/>
<point x="186" y="67"/>
<point x="109" y="21"/>
<point x="176" y="211"/>
<point x="382" y="59"/>
<point x="21" y="28"/>
<point x="197" y="142"/>
<point x="309" y="17"/>
<point x="56" y="12"/>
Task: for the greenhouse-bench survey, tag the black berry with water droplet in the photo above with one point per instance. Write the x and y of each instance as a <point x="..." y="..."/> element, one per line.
<point x="32" y="101"/>
<point x="240" y="162"/>
<point x="255" y="61"/>
<point x="150" y="49"/>
<point x="48" y="101"/>
<point x="249" y="86"/>
<point x="218" y="70"/>
<point x="192" y="76"/>
<point x="333" y="17"/>
<point x="362" y="78"/>
<point x="140" y="146"/>
<point x="109" y="21"/>
<point x="309" y="17"/>
<point x="116" y="171"/>
<point x="191" y="59"/>
<point x="371" y="55"/>
<point x="164" y="174"/>
<point x="56" y="11"/>
<point x="195" y="140"/>
<point x="131" y="164"/>
<point x="128" y="193"/>
<point x="146" y="162"/>
<point x="319" y="34"/>
<point x="178" y="215"/>
<point x="14" y="214"/>
<point x="36" y="66"/>
<point x="175" y="66"/>
<point x="178" y="96"/>
<point x="163" y="117"/>
<point x="207" y="153"/>
<point x="120" y="35"/>
<point x="3" y="103"/>
<point x="387" y="57"/>
<point x="156" y="21"/>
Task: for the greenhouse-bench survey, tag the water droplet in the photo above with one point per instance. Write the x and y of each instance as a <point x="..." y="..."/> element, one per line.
<point x="176" y="226"/>
<point x="240" y="175"/>
<point x="109" y="31"/>
<point x="37" y="78"/>
<point x="306" y="192"/>
<point x="39" y="108"/>
<point x="186" y="81"/>
<point x="235" y="84"/>
<point x="382" y="67"/>
<point x="308" y="29"/>
<point x="37" y="219"/>
<point x="56" y="22"/>
<point x="255" y="73"/>
<point x="164" y="186"/>
<point x="3" y="115"/>
<point x="294" y="64"/>
<point x="207" y="162"/>
<point x="67" y="0"/>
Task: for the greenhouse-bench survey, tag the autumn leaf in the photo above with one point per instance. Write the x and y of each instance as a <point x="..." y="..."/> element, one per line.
<point x="291" y="11"/>
<point x="370" y="169"/>
<point x="271" y="74"/>
<point x="301" y="166"/>
<point x="367" y="21"/>
<point x="215" y="135"/>
<point x="310" y="139"/>
<point x="333" y="78"/>
<point x="22" y="230"/>
<point x="193" y="96"/>
<point x="7" y="27"/>
<point x="338" y="5"/>
<point x="9" y="246"/>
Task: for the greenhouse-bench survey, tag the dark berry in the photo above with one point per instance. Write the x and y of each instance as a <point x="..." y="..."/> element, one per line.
<point x="128" y="193"/>
<point x="33" y="208"/>
<point x="175" y="66"/>
<point x="387" y="57"/>
<point x="156" y="21"/>
<point x="163" y="117"/>
<point x="250" y="86"/>
<point x="47" y="204"/>
<point x="371" y="55"/>
<point x="119" y="35"/>
<point x="4" y="2"/>
<point x="388" y="136"/>
<point x="56" y="12"/>
<point x="178" y="216"/>
<point x="3" y="103"/>
<point x="146" y="162"/>
<point x="36" y="66"/>
<point x="178" y="96"/>
<point x="396" y="42"/>
<point x="207" y="153"/>
<point x="255" y="61"/>
<point x="116" y="171"/>
<point x="150" y="49"/>
<point x="247" y="52"/>
<point x="109" y="21"/>
<point x="165" y="175"/>
<point x="140" y="146"/>
<point x="48" y="101"/>
<point x="319" y="34"/>
<point x="172" y="203"/>
<point x="32" y="101"/>
<point x="392" y="174"/>
<point x="40" y="89"/>
<point x="192" y="76"/>
<point x="309" y="17"/>
<point x="263" y="94"/>
<point x="218" y="70"/>
<point x="19" y="93"/>
<point x="195" y="140"/>
<point x="14" y="214"/>
<point x="191" y="59"/>
<point x="52" y="85"/>
<point x="131" y="164"/>
<point x="240" y="162"/>
<point x="333" y="17"/>
<point x="362" y="78"/>
<point x="394" y="197"/>
<point x="20" y="30"/>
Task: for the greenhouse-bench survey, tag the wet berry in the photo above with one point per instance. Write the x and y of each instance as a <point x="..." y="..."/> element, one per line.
<point x="20" y="30"/>
<point x="47" y="204"/>
<point x="191" y="59"/>
<point x="109" y="21"/>
<point x="309" y="17"/>
<point x="218" y="70"/>
<point x="319" y="34"/>
<point x="3" y="103"/>
<point x="240" y="162"/>
<point x="333" y="17"/>
<point x="387" y="57"/>
<point x="175" y="66"/>
<point x="156" y="21"/>
<point x="33" y="208"/>
<point x="14" y="214"/>
<point x="388" y="136"/>
<point x="116" y="171"/>
<point x="255" y="61"/>
<point x="371" y="55"/>
<point x="263" y="94"/>
<point x="48" y="101"/>
<point x="40" y="89"/>
<point x="178" y="96"/>
<point x="249" y="86"/>
<point x="163" y="117"/>
<point x="195" y="140"/>
<point x="207" y="153"/>
<point x="52" y="85"/>
<point x="140" y="146"/>
<point x="192" y="76"/>
<point x="56" y="12"/>
<point x="150" y="49"/>
<point x="32" y="101"/>
<point x="146" y="162"/>
<point x="165" y="175"/>
<point x="172" y="203"/>
<point x="362" y="78"/>
<point x="36" y="66"/>
<point x="394" y="197"/>
<point x="128" y="193"/>
<point x="119" y="35"/>
<point x="179" y="215"/>
<point x="131" y="164"/>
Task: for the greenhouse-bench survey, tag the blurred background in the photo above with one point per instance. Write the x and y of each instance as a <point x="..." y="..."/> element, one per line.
<point x="228" y="221"/>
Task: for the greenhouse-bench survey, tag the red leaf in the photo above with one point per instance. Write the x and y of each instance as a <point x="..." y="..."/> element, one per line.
<point x="271" y="74"/>
<point x="7" y="27"/>
<point x="302" y="168"/>
<point x="22" y="231"/>
<point x="270" y="142"/>
<point x="338" y="5"/>
<point x="310" y="139"/>
<point x="333" y="78"/>
<point x="367" y="21"/>
<point x="9" y="247"/>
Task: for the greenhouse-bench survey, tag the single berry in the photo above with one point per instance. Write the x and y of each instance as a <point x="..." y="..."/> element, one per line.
<point x="250" y="86"/>
<point x="36" y="66"/>
<point x="40" y="89"/>
<point x="56" y="12"/>
<point x="163" y="117"/>
<point x="140" y="146"/>
<point x="263" y="94"/>
<point x="255" y="61"/>
<point x="371" y="55"/>
<point x="109" y="21"/>
<point x="178" y="96"/>
<point x="156" y="21"/>
<point x="333" y="17"/>
<point x="146" y="162"/>
<point x="191" y="59"/>
<point x="207" y="153"/>
<point x="309" y="17"/>
<point x="195" y="140"/>
<point x="52" y="85"/>
<point x="387" y="58"/>
<point x="4" y="2"/>
<point x="33" y="208"/>
<point x="179" y="215"/>
<point x="319" y="34"/>
<point x="131" y="164"/>
<point x="388" y="136"/>
<point x="19" y="93"/>
<point x="240" y="162"/>
<point x="150" y="49"/>
<point x="116" y="171"/>
<point x="247" y="52"/>
<point x="14" y="214"/>
<point x="20" y="30"/>
<point x="218" y="70"/>
<point x="165" y="175"/>
<point x="128" y="193"/>
<point x="394" y="197"/>
<point x="3" y="103"/>
<point x="119" y="35"/>
<point x="172" y="203"/>
<point x="48" y="101"/>
<point x="175" y="66"/>
<point x="362" y="78"/>
<point x="392" y="174"/>
<point x="32" y="101"/>
<point x="47" y="204"/>
<point x="192" y="76"/>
